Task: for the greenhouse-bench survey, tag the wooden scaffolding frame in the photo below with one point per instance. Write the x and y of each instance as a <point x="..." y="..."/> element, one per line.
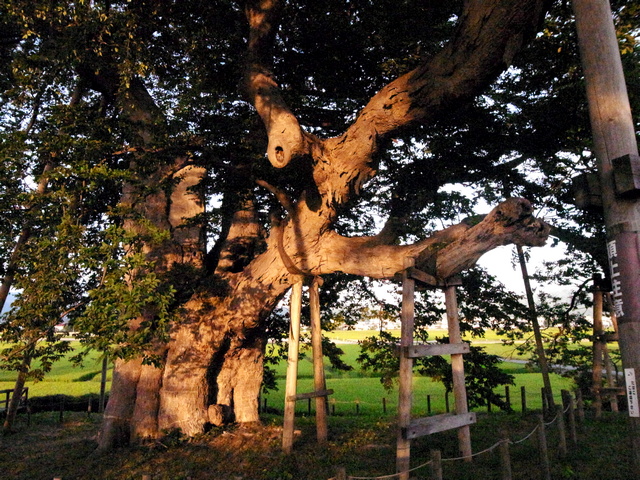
<point x="320" y="392"/>
<point x="409" y="428"/>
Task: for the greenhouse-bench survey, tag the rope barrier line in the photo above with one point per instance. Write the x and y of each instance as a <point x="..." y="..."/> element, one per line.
<point x="552" y="420"/>
<point x="391" y="475"/>
<point x="498" y="443"/>
<point x="527" y="437"/>
<point x="489" y="449"/>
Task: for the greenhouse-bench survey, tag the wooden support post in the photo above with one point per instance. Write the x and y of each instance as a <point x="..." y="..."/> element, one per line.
<point x="545" y="469"/>
<point x="542" y="358"/>
<point x="523" y="398"/>
<point x="318" y="362"/>
<point x="292" y="368"/>
<point x="403" y="451"/>
<point x="436" y="464"/>
<point x="507" y="397"/>
<point x="457" y="367"/>
<point x="611" y="379"/>
<point x="341" y="473"/>
<point x="505" y="458"/>
<point x="598" y="353"/>
<point x="428" y="404"/>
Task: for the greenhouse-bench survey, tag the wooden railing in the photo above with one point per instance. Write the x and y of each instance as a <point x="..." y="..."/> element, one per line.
<point x="5" y="398"/>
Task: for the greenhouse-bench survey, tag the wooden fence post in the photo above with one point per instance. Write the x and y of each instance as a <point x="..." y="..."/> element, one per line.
<point x="562" y="433"/>
<point x="545" y="469"/>
<point x="505" y="458"/>
<point x="436" y="464"/>
<point x="341" y="473"/>
<point x="428" y="404"/>
<point x="523" y="398"/>
<point x="507" y="397"/>
<point x="568" y="399"/>
<point x="580" y="406"/>
<point x="61" y="419"/>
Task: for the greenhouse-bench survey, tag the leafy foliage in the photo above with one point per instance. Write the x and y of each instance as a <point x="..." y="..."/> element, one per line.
<point x="60" y="127"/>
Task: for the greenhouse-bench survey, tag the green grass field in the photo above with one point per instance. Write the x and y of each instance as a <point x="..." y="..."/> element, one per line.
<point x="365" y="388"/>
<point x="65" y="378"/>
<point x="351" y="388"/>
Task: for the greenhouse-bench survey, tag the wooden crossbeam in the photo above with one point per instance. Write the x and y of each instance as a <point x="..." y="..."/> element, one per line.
<point x="437" y="423"/>
<point x="305" y="396"/>
<point x="416" y="351"/>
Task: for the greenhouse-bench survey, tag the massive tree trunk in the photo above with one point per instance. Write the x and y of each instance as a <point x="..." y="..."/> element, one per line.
<point x="214" y="355"/>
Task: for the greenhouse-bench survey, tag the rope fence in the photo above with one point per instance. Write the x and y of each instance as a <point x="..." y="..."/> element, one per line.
<point x="503" y="444"/>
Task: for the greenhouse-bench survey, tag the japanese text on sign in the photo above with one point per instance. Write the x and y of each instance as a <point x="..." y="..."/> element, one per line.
<point x="612" y="252"/>
<point x="632" y="392"/>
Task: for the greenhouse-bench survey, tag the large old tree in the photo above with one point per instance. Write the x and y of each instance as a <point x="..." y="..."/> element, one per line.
<point x="203" y="275"/>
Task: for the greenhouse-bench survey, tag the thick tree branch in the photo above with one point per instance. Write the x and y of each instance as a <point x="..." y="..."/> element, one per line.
<point x="489" y="34"/>
<point x="446" y="253"/>
<point x="286" y="138"/>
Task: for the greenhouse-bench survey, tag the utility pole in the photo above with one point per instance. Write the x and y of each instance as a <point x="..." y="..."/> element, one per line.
<point x="616" y="150"/>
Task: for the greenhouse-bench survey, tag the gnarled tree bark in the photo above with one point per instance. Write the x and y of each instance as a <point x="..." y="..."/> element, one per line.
<point x="214" y="355"/>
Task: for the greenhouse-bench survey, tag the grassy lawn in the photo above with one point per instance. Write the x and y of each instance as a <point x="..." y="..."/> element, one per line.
<point x="65" y="378"/>
<point x="361" y="437"/>
<point x="349" y="387"/>
<point x="361" y="387"/>
<point x="363" y="445"/>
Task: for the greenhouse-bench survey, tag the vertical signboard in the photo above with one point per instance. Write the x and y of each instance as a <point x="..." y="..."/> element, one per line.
<point x="632" y="392"/>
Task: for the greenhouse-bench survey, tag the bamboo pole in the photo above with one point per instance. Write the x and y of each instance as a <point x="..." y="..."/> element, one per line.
<point x="318" y="365"/>
<point x="403" y="450"/>
<point x="457" y="367"/>
<point x="292" y="368"/>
